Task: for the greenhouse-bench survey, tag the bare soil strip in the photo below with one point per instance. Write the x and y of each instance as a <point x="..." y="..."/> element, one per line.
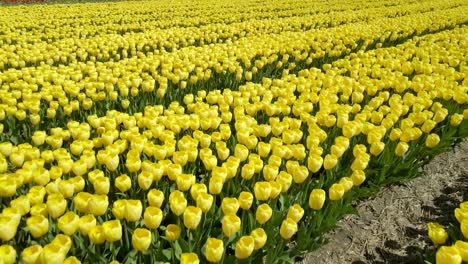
<point x="391" y="227"/>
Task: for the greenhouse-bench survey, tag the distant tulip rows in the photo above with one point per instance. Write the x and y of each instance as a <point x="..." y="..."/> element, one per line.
<point x="241" y="151"/>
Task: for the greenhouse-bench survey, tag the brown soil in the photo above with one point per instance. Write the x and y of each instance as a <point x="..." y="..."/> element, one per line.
<point x="391" y="227"/>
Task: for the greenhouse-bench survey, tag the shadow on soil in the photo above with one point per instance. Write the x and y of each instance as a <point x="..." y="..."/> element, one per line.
<point x="441" y="212"/>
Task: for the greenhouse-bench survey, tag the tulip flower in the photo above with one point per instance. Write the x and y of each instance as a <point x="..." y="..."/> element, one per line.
<point x="141" y="239"/>
<point x="192" y="217"/>
<point x="152" y="217"/>
<point x="214" y="250"/>
<point x="172" y="232"/>
<point x="244" y="247"/>
<point x="437" y="233"/>
<point x="133" y="210"/>
<point x="112" y="230"/>
<point x="229" y="205"/>
<point x="288" y="228"/>
<point x="204" y="202"/>
<point x="260" y="237"/>
<point x="68" y="223"/>
<point x="448" y="255"/>
<point x="85" y="223"/>
<point x="245" y="200"/>
<point x="263" y="213"/>
<point x="262" y="190"/>
<point x="336" y="192"/>
<point x="31" y="254"/>
<point x="295" y="212"/>
<point x="230" y="224"/>
<point x="189" y="258"/>
<point x="462" y="248"/>
<point x="7" y="254"/>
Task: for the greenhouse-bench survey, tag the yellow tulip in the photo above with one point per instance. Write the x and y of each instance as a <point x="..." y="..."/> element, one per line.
<point x="456" y="119"/>
<point x="347" y="183"/>
<point x="262" y="190"/>
<point x="448" y="255"/>
<point x="401" y="149"/>
<point x="112" y="230"/>
<point x="52" y="253"/>
<point x="263" y="213"/>
<point x="358" y="177"/>
<point x="98" y="204"/>
<point x="464" y="227"/>
<point x="288" y="228"/>
<point x="230" y="224"/>
<point x="172" y="232"/>
<point x="86" y="223"/>
<point x="81" y="201"/>
<point x="133" y="210"/>
<point x="336" y="192"/>
<point x="192" y="217"/>
<point x="155" y="197"/>
<point x="68" y="223"/>
<point x="21" y="205"/>
<point x="245" y="200"/>
<point x="437" y="233"/>
<point x="7" y="254"/>
<point x="317" y="199"/>
<point x="177" y="202"/>
<point x="260" y="237"/>
<point x="185" y="181"/>
<point x="329" y="162"/>
<point x="39" y="209"/>
<point x="123" y="183"/>
<point x="275" y="189"/>
<point x="189" y="258"/>
<point x="248" y="171"/>
<point x="214" y="250"/>
<point x="71" y="260"/>
<point x="229" y="205"/>
<point x="204" y="202"/>
<point x="31" y="254"/>
<point x="7" y="187"/>
<point x="216" y="184"/>
<point x="63" y="241"/>
<point x="244" y="247"/>
<point x="295" y="212"/>
<point x="141" y="239"/>
<point x="152" y="217"/>
<point x="197" y="189"/>
<point x="285" y="180"/>
<point x="432" y="140"/>
<point x="462" y="248"/>
<point x="56" y="206"/>
<point x="241" y="152"/>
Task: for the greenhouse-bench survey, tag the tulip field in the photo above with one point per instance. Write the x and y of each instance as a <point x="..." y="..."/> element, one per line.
<point x="219" y="131"/>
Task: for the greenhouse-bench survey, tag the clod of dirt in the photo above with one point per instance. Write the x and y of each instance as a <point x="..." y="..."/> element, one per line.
<point x="391" y="227"/>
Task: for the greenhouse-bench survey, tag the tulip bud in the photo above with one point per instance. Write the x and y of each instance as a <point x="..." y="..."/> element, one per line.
<point x="68" y="223"/>
<point x="133" y="210"/>
<point x="56" y="206"/>
<point x="317" y="199"/>
<point x="172" y="232"/>
<point x="244" y="247"/>
<point x="192" y="217"/>
<point x="263" y="213"/>
<point x="31" y="254"/>
<point x="141" y="239"/>
<point x="448" y="255"/>
<point x="230" y="224"/>
<point x="462" y="248"/>
<point x="432" y="140"/>
<point x="52" y="253"/>
<point x="456" y="119"/>
<point x="196" y="189"/>
<point x="204" y="202"/>
<point x="260" y="237"/>
<point x="295" y="212"/>
<point x="189" y="258"/>
<point x="155" y="197"/>
<point x="314" y="162"/>
<point x="245" y="200"/>
<point x="336" y="192"/>
<point x="248" y="171"/>
<point x="177" y="202"/>
<point x="401" y="149"/>
<point x="329" y="162"/>
<point x="185" y="181"/>
<point x="98" y="204"/>
<point x="262" y="191"/>
<point x="229" y="205"/>
<point x="437" y="233"/>
<point x="86" y="223"/>
<point x="358" y="177"/>
<point x="216" y="184"/>
<point x="112" y="230"/>
<point x="214" y="250"/>
<point x="123" y="183"/>
<point x="288" y="228"/>
<point x="347" y="183"/>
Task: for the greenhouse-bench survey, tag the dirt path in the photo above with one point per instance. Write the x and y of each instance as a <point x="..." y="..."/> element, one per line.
<point x="391" y="227"/>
